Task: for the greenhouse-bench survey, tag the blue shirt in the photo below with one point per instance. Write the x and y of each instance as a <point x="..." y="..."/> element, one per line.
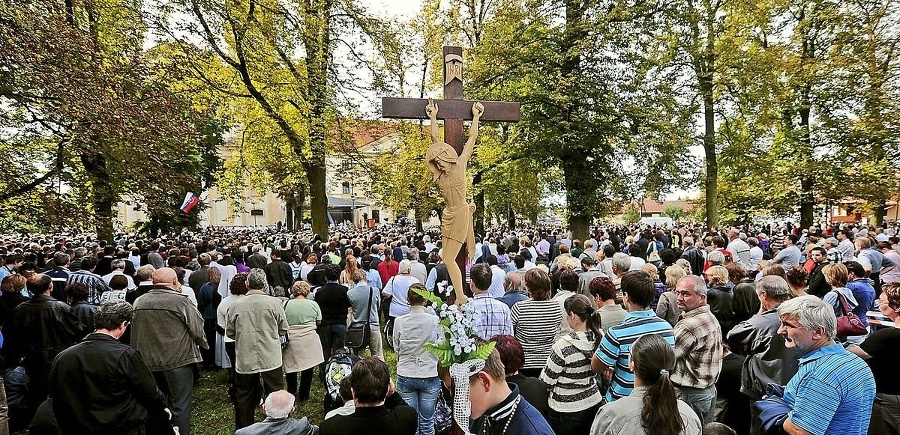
<point x="832" y="392"/>
<point x="373" y="279"/>
<point x="864" y="294"/>
<point x="511" y="298"/>
<point x="615" y="347"/>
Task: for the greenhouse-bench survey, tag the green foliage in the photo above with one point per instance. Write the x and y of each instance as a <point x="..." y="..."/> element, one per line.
<point x="400" y="178"/>
<point x="275" y="64"/>
<point x="632" y="214"/>
<point x="584" y="111"/>
<point x="673" y="211"/>
<point x="96" y="114"/>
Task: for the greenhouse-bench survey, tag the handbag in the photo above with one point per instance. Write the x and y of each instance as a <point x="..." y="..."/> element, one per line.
<point x="849" y="324"/>
<point x="773" y="410"/>
<point x="654" y="254"/>
<point x="358" y="334"/>
<point x="443" y="415"/>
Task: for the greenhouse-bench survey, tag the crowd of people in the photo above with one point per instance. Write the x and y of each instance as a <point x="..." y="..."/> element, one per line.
<point x="633" y="330"/>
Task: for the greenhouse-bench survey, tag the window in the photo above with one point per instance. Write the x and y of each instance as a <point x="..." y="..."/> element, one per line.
<point x="345" y="188"/>
<point x="346" y="165"/>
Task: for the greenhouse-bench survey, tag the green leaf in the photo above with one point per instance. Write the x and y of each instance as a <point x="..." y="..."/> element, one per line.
<point x="482" y="352"/>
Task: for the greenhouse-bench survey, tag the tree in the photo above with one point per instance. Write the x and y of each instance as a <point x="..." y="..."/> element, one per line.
<point x="587" y="95"/>
<point x="280" y="57"/>
<point x="673" y="211"/>
<point x="80" y="88"/>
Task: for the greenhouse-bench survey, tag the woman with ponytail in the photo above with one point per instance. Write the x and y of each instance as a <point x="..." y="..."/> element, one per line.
<point x="652" y="407"/>
<point x="574" y="394"/>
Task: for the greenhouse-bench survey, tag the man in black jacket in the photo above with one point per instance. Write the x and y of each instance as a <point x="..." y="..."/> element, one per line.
<point x="41" y="328"/>
<point x="278" y="273"/>
<point x="379" y="408"/>
<point x="101" y="385"/>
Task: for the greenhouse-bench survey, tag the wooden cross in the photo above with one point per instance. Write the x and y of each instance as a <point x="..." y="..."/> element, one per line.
<point x="453" y="110"/>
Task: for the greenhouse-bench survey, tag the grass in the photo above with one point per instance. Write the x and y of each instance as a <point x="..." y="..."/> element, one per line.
<point x="213" y="413"/>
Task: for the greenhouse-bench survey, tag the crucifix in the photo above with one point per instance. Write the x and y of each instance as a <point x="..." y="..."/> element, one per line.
<point x="457" y="232"/>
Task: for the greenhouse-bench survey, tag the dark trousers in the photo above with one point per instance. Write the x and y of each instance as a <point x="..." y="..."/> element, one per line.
<point x="38" y="387"/>
<point x="572" y="423"/>
<point x="332" y="338"/>
<point x="178" y="386"/>
<point x="209" y="355"/>
<point x="305" y="383"/>
<point x="248" y="391"/>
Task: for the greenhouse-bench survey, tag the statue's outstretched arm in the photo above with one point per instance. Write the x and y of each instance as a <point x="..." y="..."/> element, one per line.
<point x="477" y="111"/>
<point x="432" y="110"/>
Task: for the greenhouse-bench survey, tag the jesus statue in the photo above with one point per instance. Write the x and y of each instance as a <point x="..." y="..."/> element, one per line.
<point x="449" y="171"/>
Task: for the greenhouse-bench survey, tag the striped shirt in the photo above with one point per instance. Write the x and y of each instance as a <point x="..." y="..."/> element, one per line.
<point x="698" y="349"/>
<point x="568" y="374"/>
<point x="535" y="324"/>
<point x="832" y="392"/>
<point x="615" y="347"/>
<point x="94" y="283"/>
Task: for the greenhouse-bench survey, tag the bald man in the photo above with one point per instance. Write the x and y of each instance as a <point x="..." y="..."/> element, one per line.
<point x="278" y="408"/>
<point x="166" y="330"/>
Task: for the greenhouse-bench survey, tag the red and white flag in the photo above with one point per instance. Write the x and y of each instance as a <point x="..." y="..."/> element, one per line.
<point x="190" y="200"/>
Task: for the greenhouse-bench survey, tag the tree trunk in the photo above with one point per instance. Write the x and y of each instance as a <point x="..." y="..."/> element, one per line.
<point x="879" y="212"/>
<point x="510" y="216"/>
<point x="318" y="200"/>
<point x="807" y="179"/>
<point x="479" y="204"/>
<point x="102" y="196"/>
<point x="317" y="42"/>
<point x="705" y="82"/>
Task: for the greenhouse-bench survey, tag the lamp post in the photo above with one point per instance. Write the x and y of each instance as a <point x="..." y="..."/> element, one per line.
<point x="353" y="208"/>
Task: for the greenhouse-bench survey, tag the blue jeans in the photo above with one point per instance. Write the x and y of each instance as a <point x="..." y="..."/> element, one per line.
<point x="701" y="400"/>
<point x="422" y="395"/>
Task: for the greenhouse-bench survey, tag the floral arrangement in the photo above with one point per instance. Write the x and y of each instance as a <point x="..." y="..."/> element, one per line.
<point x="457" y="343"/>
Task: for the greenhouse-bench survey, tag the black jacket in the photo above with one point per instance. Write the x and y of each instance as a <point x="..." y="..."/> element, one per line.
<point x="42" y="327"/>
<point x="102" y="386"/>
<point x="395" y="417"/>
<point x="279" y="274"/>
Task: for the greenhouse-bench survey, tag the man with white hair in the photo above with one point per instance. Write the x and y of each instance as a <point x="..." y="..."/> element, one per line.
<point x="417" y="270"/>
<point x="118" y="268"/>
<point x="833" y="389"/>
<point x="278" y="408"/>
<point x="621" y="264"/>
<point x="739" y="249"/>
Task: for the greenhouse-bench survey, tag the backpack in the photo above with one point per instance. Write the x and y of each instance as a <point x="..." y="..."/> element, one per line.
<point x="339" y="366"/>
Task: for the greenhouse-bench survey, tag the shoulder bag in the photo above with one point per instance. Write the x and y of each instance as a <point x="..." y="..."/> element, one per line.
<point x="654" y="253"/>
<point x="358" y="333"/>
<point x="848" y="324"/>
<point x="285" y="339"/>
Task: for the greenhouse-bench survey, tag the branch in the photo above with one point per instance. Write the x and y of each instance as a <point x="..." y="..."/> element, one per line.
<point x="57" y="168"/>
